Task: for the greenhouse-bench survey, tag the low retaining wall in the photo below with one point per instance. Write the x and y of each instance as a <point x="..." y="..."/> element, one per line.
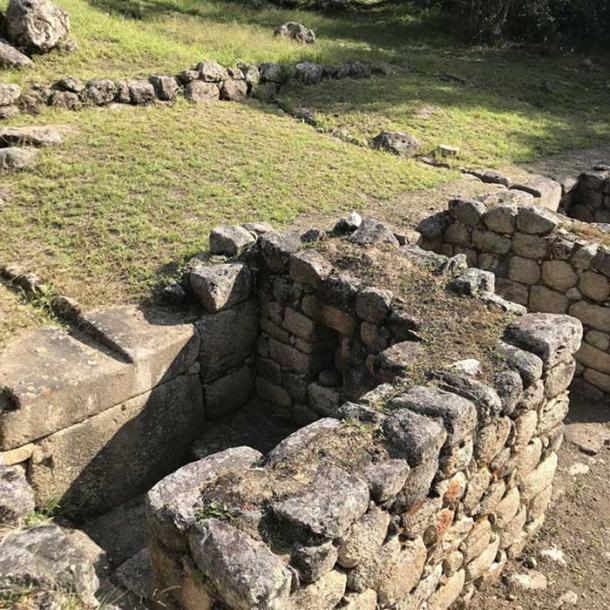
<point x="206" y="82"/>
<point x="409" y="495"/>
<point x="541" y="260"/>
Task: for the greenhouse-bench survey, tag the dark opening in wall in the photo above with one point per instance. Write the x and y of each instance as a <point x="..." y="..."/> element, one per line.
<point x="589" y="200"/>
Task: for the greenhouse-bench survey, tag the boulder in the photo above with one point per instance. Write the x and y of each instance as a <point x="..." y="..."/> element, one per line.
<point x="171" y="503"/>
<point x="141" y="92"/>
<point x="47" y="556"/>
<point x="8" y="112"/>
<point x="473" y="283"/>
<point x="220" y="286"/>
<point x="397" y="142"/>
<point x="328" y="508"/>
<point x="10" y="57"/>
<point x="165" y="87"/>
<point x="308" y="73"/>
<point x="234" y="90"/>
<point x="69" y="83"/>
<point x="296" y="31"/>
<point x="373" y="233"/>
<point x="100" y="91"/>
<point x="251" y="74"/>
<point x="30" y="136"/>
<point x="230" y="240"/>
<point x="272" y="73"/>
<point x="65" y="99"/>
<point x="244" y="571"/>
<point x="212" y="72"/>
<point x="9" y="94"/>
<point x="200" y="91"/>
<point x="554" y="338"/>
<point x="347" y="224"/>
<point x="16" y="496"/>
<point x="37" y="25"/>
<point x="12" y="159"/>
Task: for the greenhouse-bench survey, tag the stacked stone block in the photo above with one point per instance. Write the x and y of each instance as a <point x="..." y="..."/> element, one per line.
<point x="409" y="501"/>
<point x="325" y="336"/>
<point x="539" y="262"/>
<point x="589" y="199"/>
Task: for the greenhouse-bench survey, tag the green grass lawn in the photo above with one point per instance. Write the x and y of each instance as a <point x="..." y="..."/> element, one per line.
<point x="119" y="38"/>
<point x="133" y="192"/>
<point x="515" y="108"/>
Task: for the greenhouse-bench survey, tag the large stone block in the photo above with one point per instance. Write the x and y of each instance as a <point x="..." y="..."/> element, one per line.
<point x="548" y="192"/>
<point x="364" y="539"/>
<point x="244" y="572"/>
<point x="16" y="496"/>
<point x="458" y="414"/>
<point x="415" y="437"/>
<point x="324" y="594"/>
<point x="227" y="339"/>
<point x="37" y="25"/>
<point x="596" y="316"/>
<point x="112" y="456"/>
<point x="171" y="503"/>
<point x="41" y="371"/>
<point x="400" y="570"/>
<point x="335" y="501"/>
<point x="551" y="337"/>
<point x="50" y="557"/>
<point x="219" y="287"/>
<point x="228" y="393"/>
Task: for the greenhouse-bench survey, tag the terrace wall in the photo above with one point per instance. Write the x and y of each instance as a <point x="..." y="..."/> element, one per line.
<point x="542" y="261"/>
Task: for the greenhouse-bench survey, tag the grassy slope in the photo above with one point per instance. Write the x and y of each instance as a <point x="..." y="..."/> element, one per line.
<point x="134" y="191"/>
<point x="170" y="35"/>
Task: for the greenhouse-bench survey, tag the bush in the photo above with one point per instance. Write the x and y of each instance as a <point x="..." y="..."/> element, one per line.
<point x="540" y="21"/>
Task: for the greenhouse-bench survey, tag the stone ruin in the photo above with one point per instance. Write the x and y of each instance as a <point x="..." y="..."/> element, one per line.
<point x="424" y="452"/>
<point x="542" y="260"/>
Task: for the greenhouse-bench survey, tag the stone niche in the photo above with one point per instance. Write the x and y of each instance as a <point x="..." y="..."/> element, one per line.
<point x="400" y="489"/>
<point x="542" y="260"/>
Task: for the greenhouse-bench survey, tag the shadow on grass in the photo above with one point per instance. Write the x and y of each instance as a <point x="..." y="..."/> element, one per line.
<point x="510" y="119"/>
<point x="384" y="27"/>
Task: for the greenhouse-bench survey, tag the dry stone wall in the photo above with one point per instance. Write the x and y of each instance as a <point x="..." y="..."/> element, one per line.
<point x="542" y="261"/>
<point x="395" y="496"/>
<point x="208" y="81"/>
<point x="395" y="493"/>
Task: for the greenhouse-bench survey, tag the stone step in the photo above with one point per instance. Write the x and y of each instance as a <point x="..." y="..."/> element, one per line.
<point x="51" y="380"/>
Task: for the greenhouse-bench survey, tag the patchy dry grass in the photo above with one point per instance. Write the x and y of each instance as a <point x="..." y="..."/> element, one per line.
<point x="133" y="192"/>
<point x="453" y="328"/>
<point x="16" y="315"/>
<point x="120" y="38"/>
<point x="491" y="122"/>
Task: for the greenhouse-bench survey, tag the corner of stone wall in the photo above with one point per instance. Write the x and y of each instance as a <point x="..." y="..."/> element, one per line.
<point x="539" y="261"/>
<point x="444" y="482"/>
